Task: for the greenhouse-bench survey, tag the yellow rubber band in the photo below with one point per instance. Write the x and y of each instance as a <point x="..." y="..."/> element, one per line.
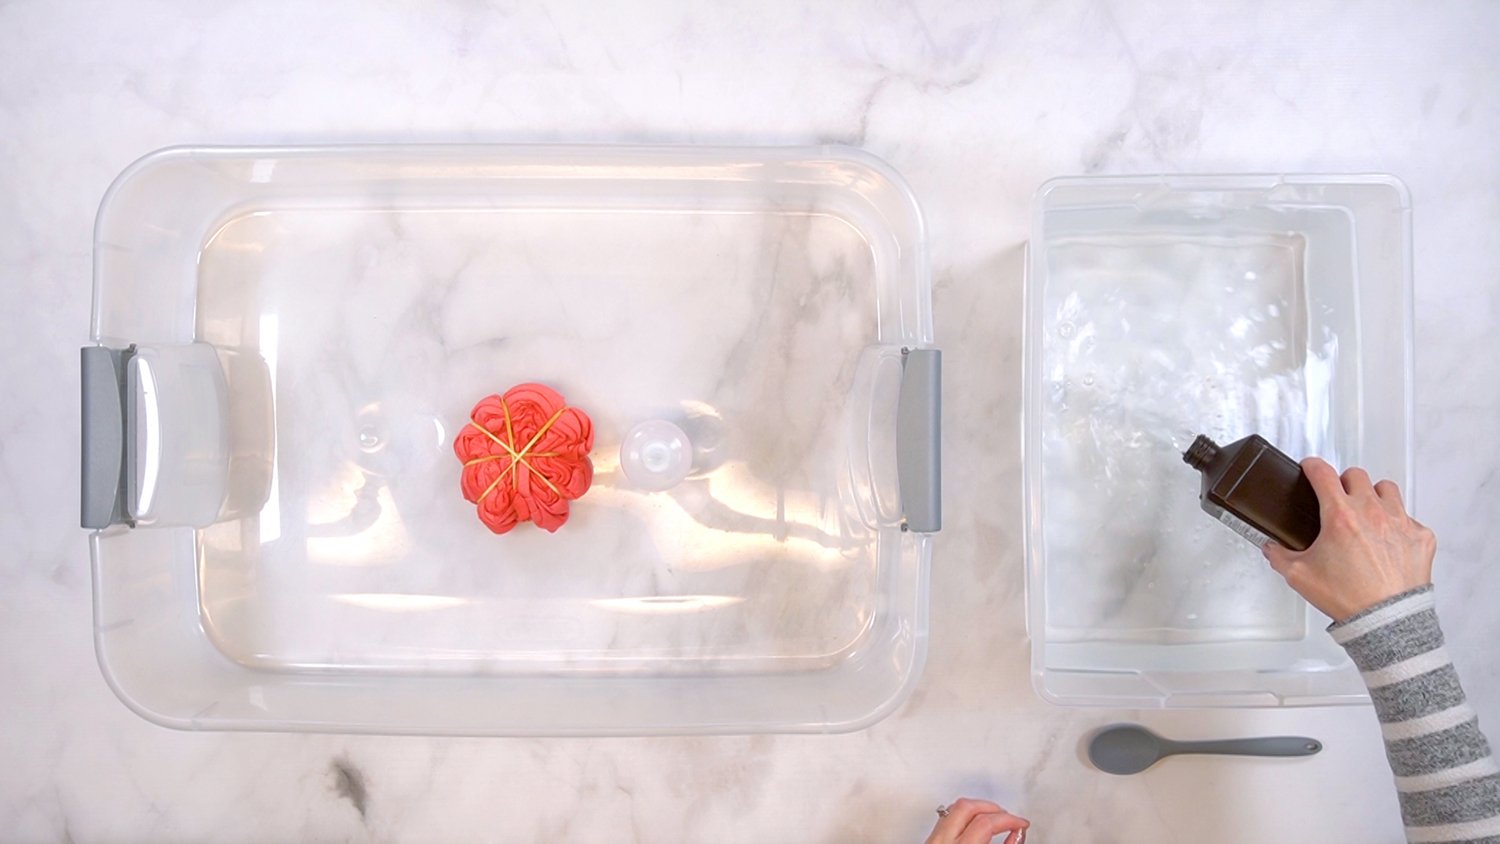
<point x="540" y="431"/>
<point x="511" y="434"/>
<point x="486" y="432"/>
<point x="516" y="458"/>
<point x="511" y="454"/>
<point x="491" y="488"/>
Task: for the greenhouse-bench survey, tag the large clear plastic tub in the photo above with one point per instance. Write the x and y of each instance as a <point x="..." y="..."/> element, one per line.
<point x="1162" y="307"/>
<point x="287" y="341"/>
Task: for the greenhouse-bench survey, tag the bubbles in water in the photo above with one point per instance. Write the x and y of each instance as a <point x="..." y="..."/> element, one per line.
<point x="1146" y="347"/>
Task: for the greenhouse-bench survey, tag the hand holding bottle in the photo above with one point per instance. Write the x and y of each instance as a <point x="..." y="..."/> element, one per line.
<point x="1368" y="549"/>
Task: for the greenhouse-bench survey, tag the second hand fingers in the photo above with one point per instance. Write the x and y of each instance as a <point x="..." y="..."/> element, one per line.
<point x="960" y="813"/>
<point x="984" y="827"/>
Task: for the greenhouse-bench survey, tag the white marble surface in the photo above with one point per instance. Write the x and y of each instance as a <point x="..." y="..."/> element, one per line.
<point x="976" y="103"/>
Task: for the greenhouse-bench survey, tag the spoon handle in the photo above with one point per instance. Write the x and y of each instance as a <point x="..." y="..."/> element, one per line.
<point x="1270" y="746"/>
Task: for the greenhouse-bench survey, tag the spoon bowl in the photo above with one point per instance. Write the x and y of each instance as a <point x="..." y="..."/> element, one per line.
<point x="1125" y="749"/>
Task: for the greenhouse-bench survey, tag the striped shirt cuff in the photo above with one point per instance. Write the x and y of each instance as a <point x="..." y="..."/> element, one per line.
<point x="1447" y="781"/>
<point x="1391" y="609"/>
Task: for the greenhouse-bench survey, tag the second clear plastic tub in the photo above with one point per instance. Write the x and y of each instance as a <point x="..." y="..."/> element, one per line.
<point x="1158" y="308"/>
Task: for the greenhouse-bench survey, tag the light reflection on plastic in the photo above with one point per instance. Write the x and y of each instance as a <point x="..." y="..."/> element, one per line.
<point x="270" y="515"/>
<point x="152" y="426"/>
<point x="385" y="541"/>
<point x="335" y="498"/>
<point x="262" y="170"/>
<point x="694" y="546"/>
<point x="1318" y="376"/>
<point x="399" y="602"/>
<point x="666" y="604"/>
<point x="606" y="460"/>
<point x="735" y="486"/>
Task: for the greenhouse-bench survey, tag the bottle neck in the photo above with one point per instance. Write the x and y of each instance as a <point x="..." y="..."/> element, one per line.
<point x="1201" y="453"/>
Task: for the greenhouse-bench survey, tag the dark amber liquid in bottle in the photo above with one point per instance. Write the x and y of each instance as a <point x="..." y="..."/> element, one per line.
<point x="1257" y="491"/>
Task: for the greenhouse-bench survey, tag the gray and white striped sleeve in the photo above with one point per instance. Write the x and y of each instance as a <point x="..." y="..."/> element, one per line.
<point x="1446" y="779"/>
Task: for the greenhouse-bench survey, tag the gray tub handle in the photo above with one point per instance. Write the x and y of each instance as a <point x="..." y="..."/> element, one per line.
<point x="102" y="484"/>
<point x="919" y="453"/>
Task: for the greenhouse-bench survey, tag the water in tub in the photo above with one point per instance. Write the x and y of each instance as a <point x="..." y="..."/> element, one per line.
<point x="1146" y="343"/>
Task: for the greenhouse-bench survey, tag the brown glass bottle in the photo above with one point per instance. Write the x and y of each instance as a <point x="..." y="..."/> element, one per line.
<point x="1256" y="490"/>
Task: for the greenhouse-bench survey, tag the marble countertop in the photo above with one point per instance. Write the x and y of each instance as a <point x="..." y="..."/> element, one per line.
<point x="976" y="103"/>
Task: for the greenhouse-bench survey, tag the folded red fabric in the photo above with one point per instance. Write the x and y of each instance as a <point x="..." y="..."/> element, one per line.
<point x="525" y="455"/>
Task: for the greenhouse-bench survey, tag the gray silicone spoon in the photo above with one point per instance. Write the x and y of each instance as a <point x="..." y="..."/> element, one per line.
<point x="1129" y="749"/>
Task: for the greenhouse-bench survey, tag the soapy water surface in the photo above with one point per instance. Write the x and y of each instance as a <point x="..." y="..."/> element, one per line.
<point x="1146" y="343"/>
